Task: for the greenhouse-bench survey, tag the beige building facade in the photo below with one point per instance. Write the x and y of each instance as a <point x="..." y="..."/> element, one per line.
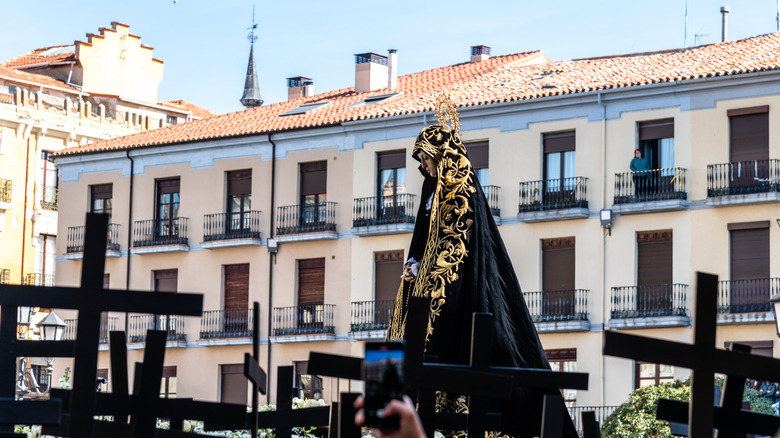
<point x="338" y="203"/>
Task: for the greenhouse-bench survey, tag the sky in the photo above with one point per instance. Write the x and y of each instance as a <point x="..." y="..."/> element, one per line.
<point x="205" y="50"/>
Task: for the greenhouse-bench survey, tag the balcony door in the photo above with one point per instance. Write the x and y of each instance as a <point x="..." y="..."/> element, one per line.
<point x="654" y="272"/>
<point x="749" y="148"/>
<point x="49" y="180"/>
<point x="311" y="294"/>
<point x="314" y="189"/>
<point x="166" y="281"/>
<point x="167" y="207"/>
<point x="749" y="266"/>
<point x="656" y="141"/>
<point x="391" y="185"/>
<point x="558" y="278"/>
<point x="387" y="270"/>
<point x="236" y="298"/>
<point x="100" y="199"/>
<point x="479" y="154"/>
<point x="559" y="170"/>
<point x="239" y="200"/>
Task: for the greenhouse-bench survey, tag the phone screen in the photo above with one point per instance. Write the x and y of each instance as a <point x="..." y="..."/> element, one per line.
<point x="384" y="367"/>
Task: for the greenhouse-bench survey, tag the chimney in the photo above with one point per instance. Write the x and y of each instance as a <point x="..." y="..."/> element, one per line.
<point x="370" y="72"/>
<point x="724" y="11"/>
<point x="479" y="53"/>
<point x="299" y="86"/>
<point x="392" y="69"/>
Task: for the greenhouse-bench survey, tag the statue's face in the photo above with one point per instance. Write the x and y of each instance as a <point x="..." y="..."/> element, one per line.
<point x="428" y="164"/>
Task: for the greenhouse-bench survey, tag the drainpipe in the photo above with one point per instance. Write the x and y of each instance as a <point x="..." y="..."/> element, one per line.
<point x="24" y="211"/>
<point x="604" y="296"/>
<point x="271" y="261"/>
<point x="129" y="230"/>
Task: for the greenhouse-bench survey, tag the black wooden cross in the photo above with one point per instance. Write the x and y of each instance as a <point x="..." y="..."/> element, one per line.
<point x="90" y="299"/>
<point x="252" y="369"/>
<point x="342" y="413"/>
<point x="704" y="360"/>
<point x="482" y="383"/>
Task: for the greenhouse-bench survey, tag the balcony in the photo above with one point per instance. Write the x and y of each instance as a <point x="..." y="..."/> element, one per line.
<point x="746" y="182"/>
<point x="223" y="230"/>
<point x="376" y="216"/>
<point x="140" y="324"/>
<point x="662" y="305"/>
<point x="306" y="222"/>
<point x="553" y="200"/>
<point x="5" y="276"/>
<point x="309" y="319"/>
<point x="5" y="194"/>
<point x="746" y="301"/>
<point x="74" y="248"/>
<point x="160" y="235"/>
<point x="221" y="324"/>
<point x="49" y="198"/>
<point x="559" y="311"/>
<point x="366" y="316"/>
<point x="602" y="412"/>
<point x="39" y="279"/>
<point x="650" y="191"/>
<point x="107" y="325"/>
<point x="491" y="194"/>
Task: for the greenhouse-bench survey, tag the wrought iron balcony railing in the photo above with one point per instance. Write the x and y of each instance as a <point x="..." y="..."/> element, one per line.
<point x="75" y="239"/>
<point x="140" y="324"/>
<point x="5" y="276"/>
<point x="5" y="190"/>
<point x="39" y="279"/>
<point x="491" y="193"/>
<point x="160" y="232"/>
<point x="553" y="194"/>
<point x="371" y="315"/>
<point x="650" y="185"/>
<point x="107" y="325"/>
<point x="559" y="305"/>
<point x="398" y="209"/>
<point x="303" y="320"/>
<point x="226" y="226"/>
<point x="49" y="198"/>
<point x="294" y="219"/>
<point x="747" y="296"/>
<point x="649" y="301"/>
<point x="602" y="412"/>
<point x="745" y="177"/>
<point x="233" y="323"/>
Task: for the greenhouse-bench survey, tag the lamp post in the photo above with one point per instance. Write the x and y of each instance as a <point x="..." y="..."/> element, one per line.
<point x="53" y="327"/>
<point x="23" y="320"/>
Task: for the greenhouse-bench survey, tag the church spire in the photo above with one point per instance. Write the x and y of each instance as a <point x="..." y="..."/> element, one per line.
<point x="251" y="97"/>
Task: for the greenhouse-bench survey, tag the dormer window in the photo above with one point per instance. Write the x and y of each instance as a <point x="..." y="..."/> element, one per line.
<point x="303" y="109"/>
<point x="373" y="100"/>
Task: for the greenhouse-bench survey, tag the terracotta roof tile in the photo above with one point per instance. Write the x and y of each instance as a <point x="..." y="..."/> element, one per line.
<point x="507" y="78"/>
<point x="44" y="55"/>
<point x="32" y="78"/>
<point x="198" y="112"/>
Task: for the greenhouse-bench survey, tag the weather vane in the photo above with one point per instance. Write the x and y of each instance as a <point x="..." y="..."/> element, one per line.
<point x="252" y="37"/>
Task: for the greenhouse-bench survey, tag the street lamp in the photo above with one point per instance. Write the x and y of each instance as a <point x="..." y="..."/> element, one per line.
<point x="775" y="300"/>
<point x="23" y="320"/>
<point x="52" y="326"/>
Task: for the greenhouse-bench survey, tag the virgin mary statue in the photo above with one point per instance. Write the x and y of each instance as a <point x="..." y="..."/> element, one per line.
<point x="458" y="263"/>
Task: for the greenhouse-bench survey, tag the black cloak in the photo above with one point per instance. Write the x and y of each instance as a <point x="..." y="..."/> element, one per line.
<point x="464" y="268"/>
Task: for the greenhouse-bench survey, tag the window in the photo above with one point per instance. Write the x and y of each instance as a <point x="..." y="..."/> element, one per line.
<point x="45" y="253"/>
<point x="168" y="382"/>
<point x="100" y="198"/>
<point x="49" y="181"/>
<point x="314" y="188"/>
<point x="167" y="210"/>
<point x="311" y="293"/>
<point x="392" y="183"/>
<point x="239" y="199"/>
<point x="478" y="153"/>
<point x="309" y="386"/>
<point x="387" y="270"/>
<point x="171" y="120"/>
<point x="166" y="281"/>
<point x="750" y="284"/>
<point x="749" y="146"/>
<point x="564" y="360"/>
<point x="558" y="277"/>
<point x="102" y="373"/>
<point x="656" y="141"/>
<point x="236" y="297"/>
<point x="233" y="387"/>
<point x="305" y="108"/>
<point x="559" y="170"/>
<point x="41" y="374"/>
<point x="646" y="373"/>
<point x="654" y="271"/>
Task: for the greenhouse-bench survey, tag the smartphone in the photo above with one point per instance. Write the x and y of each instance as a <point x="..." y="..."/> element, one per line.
<point x="383" y="373"/>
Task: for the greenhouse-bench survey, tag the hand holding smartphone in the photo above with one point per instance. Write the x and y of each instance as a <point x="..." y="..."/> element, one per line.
<point x="383" y="374"/>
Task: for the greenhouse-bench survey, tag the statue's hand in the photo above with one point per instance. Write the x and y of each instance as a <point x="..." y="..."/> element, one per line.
<point x="408" y="273"/>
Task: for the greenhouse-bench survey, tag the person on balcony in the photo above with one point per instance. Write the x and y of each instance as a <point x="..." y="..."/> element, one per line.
<point x="640" y="172"/>
<point x="458" y="265"/>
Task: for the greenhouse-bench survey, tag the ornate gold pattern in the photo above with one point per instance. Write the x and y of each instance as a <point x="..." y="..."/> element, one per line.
<point x="446" y="112"/>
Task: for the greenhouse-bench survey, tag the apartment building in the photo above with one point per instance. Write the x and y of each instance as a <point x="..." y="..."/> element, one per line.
<point x="307" y="206"/>
<point x="58" y="97"/>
